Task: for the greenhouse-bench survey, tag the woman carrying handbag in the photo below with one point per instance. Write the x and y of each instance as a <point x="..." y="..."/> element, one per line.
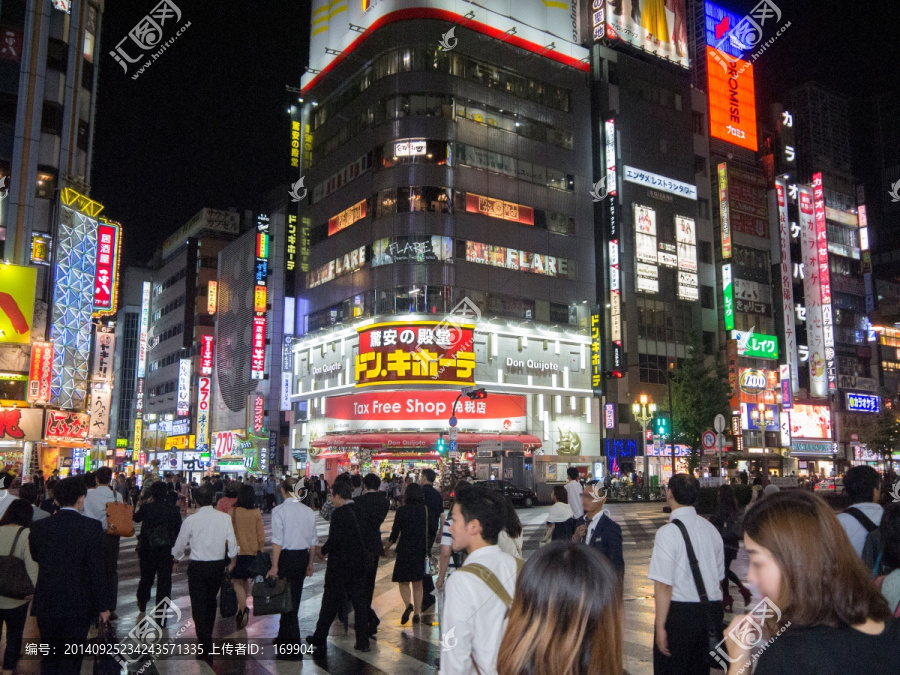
<point x="18" y="573"/>
<point x="411" y="529"/>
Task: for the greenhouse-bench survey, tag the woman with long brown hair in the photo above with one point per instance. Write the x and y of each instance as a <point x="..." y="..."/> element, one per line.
<point x="566" y="615"/>
<point x="822" y="612"/>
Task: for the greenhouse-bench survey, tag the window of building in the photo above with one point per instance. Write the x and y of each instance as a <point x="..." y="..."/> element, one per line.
<point x="52" y="118"/>
<point x="57" y="54"/>
<point x="707" y="297"/>
<point x="699" y="165"/>
<point x="709" y="342"/>
<point x="697" y="120"/>
<point x="705" y="252"/>
<point x="653" y="368"/>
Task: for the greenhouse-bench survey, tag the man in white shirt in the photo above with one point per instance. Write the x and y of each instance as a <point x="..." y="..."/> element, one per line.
<point x="294" y="542"/>
<point x="574" y="490"/>
<point x="210" y="534"/>
<point x="680" y="642"/>
<point x="95" y="507"/>
<point x="863" y="485"/>
<point x="480" y="592"/>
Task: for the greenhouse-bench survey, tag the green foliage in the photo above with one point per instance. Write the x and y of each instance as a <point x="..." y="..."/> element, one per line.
<point x="700" y="391"/>
<point x="884" y="435"/>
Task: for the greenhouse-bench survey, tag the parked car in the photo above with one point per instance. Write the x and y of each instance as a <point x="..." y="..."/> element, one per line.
<point x="518" y="496"/>
<point x="834" y="485"/>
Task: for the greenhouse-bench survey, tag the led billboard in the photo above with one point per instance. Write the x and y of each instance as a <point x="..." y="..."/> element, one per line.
<point x="656" y="27"/>
<point x="810" y="421"/>
<point x="17" y="285"/>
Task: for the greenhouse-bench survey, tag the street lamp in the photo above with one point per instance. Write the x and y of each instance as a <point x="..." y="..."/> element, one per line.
<point x="643" y="413"/>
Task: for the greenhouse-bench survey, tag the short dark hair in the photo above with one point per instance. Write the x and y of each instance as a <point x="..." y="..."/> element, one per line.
<point x="90" y="480"/>
<point x="204" y="495"/>
<point x="371" y="481"/>
<point x="890" y="534"/>
<point x="19" y="512"/>
<point x="342" y="489"/>
<point x="487" y="507"/>
<point x="860" y="482"/>
<point x="685" y="489"/>
<point x="461" y="486"/>
<point x="356" y="480"/>
<point x="158" y="490"/>
<point x="342" y="477"/>
<point x="429" y="475"/>
<point x="572" y="473"/>
<point x="67" y="491"/>
<point x="560" y="493"/>
<point x="246" y="497"/>
<point x="28" y="492"/>
<point x="231" y="489"/>
<point x="414" y="494"/>
<point x="103" y="475"/>
<point x="6" y="480"/>
<point x="287" y="485"/>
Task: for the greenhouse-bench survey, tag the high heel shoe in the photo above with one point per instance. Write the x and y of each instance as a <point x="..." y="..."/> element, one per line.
<point x="746" y="595"/>
<point x="406" y="613"/>
<point x="727" y="602"/>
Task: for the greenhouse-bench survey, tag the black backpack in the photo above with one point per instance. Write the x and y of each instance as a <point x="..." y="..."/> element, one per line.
<point x="873" y="549"/>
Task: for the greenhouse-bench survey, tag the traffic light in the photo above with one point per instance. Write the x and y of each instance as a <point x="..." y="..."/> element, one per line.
<point x="616" y="374"/>
<point x="477" y="394"/>
<point x="440" y="445"/>
<point x="661" y="425"/>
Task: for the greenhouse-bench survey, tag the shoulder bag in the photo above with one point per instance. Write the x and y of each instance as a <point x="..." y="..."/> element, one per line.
<point x="431" y="565"/>
<point x="119" y="517"/>
<point x="490" y="579"/>
<point x="14" y="580"/>
<point x="712" y="611"/>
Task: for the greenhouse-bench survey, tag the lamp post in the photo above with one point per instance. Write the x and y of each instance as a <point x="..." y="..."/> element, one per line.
<point x="643" y="413"/>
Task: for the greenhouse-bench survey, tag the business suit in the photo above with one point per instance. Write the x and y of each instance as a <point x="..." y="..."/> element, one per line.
<point x="607" y="538"/>
<point x="344" y="573"/>
<point x="156" y="563"/>
<point x="372" y="508"/>
<point x="72" y="587"/>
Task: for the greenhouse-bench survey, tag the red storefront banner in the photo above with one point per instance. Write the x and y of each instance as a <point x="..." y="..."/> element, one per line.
<point x="497" y="208"/>
<point x="421" y="352"/>
<point x="417" y="409"/>
<point x="107" y="271"/>
<point x="66" y="426"/>
<point x="258" y="354"/>
<point x="40" y="373"/>
<point x="206" y="354"/>
<point x="347" y="217"/>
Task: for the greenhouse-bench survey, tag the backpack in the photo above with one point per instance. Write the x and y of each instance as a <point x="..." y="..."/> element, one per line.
<point x="873" y="548"/>
<point x="878" y="583"/>
<point x="158" y="540"/>
<point x="491" y="580"/>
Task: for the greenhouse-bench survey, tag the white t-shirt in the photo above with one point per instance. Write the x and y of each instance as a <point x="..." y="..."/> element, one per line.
<point x="855" y="529"/>
<point x="574" y="490"/>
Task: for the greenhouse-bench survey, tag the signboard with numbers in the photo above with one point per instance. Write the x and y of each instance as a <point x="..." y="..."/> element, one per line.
<point x="422" y="352"/>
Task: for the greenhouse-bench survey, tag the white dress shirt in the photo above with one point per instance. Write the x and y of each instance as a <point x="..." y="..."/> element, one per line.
<point x="476" y="615"/>
<point x="854" y="529"/>
<point x="559" y="513"/>
<point x="294" y="526"/>
<point x="574" y="489"/>
<point x="96" y="500"/>
<point x="207" y="532"/>
<point x="669" y="560"/>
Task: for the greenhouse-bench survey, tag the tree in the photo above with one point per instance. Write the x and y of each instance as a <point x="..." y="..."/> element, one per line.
<point x="884" y="436"/>
<point x="700" y="391"/>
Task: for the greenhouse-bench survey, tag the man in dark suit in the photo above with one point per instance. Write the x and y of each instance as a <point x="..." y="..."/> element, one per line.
<point x="71" y="591"/>
<point x="372" y="508"/>
<point x="435" y="504"/>
<point x="597" y="529"/>
<point x="344" y="573"/>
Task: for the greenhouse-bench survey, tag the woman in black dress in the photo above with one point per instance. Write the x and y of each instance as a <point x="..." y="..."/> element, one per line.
<point x="411" y="528"/>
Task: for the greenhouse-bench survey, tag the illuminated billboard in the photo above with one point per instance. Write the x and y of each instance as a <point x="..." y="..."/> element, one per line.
<point x="17" y="285"/>
<point x="106" y="279"/>
<point x="550" y="29"/>
<point x="810" y="421"/>
<point x="347" y="217"/>
<point x="412" y="249"/>
<point x="497" y="208"/>
<point x="815" y="326"/>
<point x="656" y="27"/>
<point x="183" y="404"/>
<point x="822" y="266"/>
<point x="787" y="284"/>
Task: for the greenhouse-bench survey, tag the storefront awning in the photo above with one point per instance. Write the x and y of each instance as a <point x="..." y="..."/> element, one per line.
<point x="416" y="440"/>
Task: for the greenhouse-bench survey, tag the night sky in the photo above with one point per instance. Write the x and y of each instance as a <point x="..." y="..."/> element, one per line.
<point x="206" y="124"/>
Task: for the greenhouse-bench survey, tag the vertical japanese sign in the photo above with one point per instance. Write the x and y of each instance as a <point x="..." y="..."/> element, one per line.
<point x="257" y="423"/>
<point x="787" y="393"/>
<point x="824" y="280"/>
<point x="204" y="387"/>
<point x="724" y="214"/>
<point x="612" y="232"/>
<point x="815" y="327"/>
<point x="104" y="350"/>
<point x="138" y="439"/>
<point x="106" y="277"/>
<point x="258" y="346"/>
<point x="145" y="328"/>
<point x="212" y="297"/>
<point x="728" y="296"/>
<point x="206" y="354"/>
<point x="183" y="402"/>
<point x="731" y="356"/>
<point x="686" y="240"/>
<point x="290" y="255"/>
<point x="596" y="341"/>
<point x="40" y="372"/>
<point x="101" y="394"/>
<point x="787" y="285"/>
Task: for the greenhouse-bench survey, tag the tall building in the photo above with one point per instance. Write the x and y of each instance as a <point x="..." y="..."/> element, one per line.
<point x="447" y="240"/>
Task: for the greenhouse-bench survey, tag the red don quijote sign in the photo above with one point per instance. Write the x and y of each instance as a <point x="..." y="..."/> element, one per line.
<point x="422" y="352"/>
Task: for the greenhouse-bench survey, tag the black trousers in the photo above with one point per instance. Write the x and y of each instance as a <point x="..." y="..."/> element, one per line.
<point x="292" y="567"/>
<point x="333" y="598"/>
<point x="57" y="632"/>
<point x="369" y="589"/>
<point x="154" y="565"/>
<point x="15" y="625"/>
<point x="687" y="638"/>
<point x="204" y="580"/>
<point x="111" y="563"/>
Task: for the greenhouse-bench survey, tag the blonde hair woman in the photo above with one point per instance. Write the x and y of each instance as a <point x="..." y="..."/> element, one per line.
<point x="566" y="615"/>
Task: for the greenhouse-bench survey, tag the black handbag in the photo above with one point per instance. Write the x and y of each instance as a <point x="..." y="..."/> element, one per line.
<point x="261" y="564"/>
<point x="712" y="611"/>
<point x="14" y="580"/>
<point x="228" y="603"/>
<point x="271" y="596"/>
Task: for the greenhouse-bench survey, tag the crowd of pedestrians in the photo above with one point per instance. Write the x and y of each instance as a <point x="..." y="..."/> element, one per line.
<point x="832" y="581"/>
